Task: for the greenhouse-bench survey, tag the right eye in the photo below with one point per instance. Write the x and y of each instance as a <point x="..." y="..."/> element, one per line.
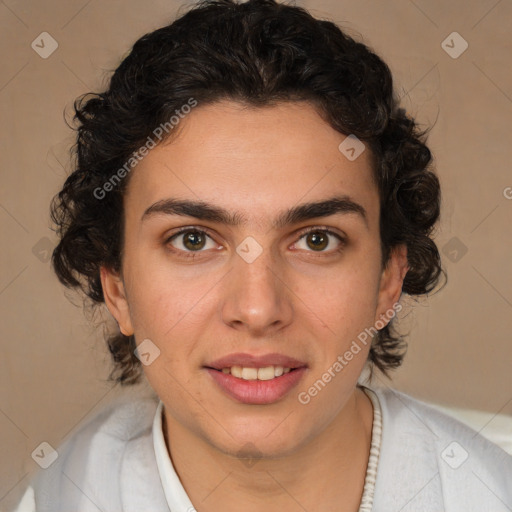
<point x="190" y="240"/>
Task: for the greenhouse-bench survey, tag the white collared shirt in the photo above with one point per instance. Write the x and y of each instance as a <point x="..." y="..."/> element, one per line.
<point x="118" y="461"/>
<point x="177" y="498"/>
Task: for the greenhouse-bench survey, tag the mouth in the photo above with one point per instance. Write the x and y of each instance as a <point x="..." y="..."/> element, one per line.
<point x="248" y="373"/>
<point x="256" y="386"/>
<point x="256" y="379"/>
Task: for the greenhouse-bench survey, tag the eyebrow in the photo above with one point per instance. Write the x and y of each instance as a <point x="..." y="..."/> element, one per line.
<point x="302" y="212"/>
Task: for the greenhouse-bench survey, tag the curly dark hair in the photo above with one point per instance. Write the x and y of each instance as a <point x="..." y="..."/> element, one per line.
<point x="256" y="53"/>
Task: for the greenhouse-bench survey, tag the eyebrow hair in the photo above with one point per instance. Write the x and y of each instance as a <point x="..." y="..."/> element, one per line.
<point x="306" y="211"/>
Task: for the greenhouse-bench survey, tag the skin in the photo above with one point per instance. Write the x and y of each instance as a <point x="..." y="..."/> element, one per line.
<point x="294" y="299"/>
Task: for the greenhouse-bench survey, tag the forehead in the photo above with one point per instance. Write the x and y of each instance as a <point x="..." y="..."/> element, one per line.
<point x="255" y="161"/>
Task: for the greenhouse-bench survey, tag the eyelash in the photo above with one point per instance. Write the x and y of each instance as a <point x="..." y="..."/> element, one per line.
<point x="302" y="234"/>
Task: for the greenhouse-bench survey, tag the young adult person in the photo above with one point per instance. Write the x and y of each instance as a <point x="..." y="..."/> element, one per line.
<point x="250" y="202"/>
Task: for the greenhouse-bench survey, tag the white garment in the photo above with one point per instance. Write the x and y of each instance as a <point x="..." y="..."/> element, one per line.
<point x="429" y="462"/>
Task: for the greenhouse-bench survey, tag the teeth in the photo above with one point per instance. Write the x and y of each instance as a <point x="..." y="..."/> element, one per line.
<point x="236" y="371"/>
<point x="247" y="373"/>
<point x="266" y="373"/>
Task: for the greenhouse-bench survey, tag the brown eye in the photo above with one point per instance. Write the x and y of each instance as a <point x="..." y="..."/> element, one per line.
<point x="194" y="240"/>
<point x="317" y="240"/>
<point x="191" y="240"/>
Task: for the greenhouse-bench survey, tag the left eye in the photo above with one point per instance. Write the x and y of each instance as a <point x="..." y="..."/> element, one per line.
<point x="319" y="239"/>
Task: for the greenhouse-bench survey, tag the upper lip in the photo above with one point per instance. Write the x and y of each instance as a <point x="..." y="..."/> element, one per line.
<point x="253" y="361"/>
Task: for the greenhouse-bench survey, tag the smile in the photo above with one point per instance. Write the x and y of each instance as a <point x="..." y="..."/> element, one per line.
<point x="248" y="373"/>
<point x="256" y="386"/>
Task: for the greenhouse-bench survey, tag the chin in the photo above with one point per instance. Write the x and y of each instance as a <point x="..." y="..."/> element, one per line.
<point x="257" y="443"/>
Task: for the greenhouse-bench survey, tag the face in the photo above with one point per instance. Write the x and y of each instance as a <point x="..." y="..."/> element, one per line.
<point x="252" y="271"/>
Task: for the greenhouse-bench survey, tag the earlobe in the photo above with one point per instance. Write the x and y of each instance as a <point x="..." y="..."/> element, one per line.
<point x="115" y="299"/>
<point x="391" y="282"/>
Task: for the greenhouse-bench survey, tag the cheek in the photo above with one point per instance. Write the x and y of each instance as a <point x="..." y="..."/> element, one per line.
<point x="344" y="299"/>
<point x="162" y="295"/>
<point x="346" y="307"/>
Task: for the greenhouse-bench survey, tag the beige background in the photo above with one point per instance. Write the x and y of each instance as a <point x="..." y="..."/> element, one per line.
<point x="53" y="362"/>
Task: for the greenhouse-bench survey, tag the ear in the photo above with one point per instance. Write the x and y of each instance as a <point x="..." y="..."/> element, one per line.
<point x="115" y="299"/>
<point x="391" y="282"/>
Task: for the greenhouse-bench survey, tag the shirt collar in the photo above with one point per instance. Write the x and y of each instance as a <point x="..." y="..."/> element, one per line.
<point x="175" y="494"/>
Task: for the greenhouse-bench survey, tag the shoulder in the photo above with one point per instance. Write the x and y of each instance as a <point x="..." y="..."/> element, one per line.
<point x="431" y="458"/>
<point x="405" y="409"/>
<point x="124" y="419"/>
<point x="86" y="473"/>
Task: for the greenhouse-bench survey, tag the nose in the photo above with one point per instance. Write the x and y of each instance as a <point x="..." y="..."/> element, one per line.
<point x="257" y="299"/>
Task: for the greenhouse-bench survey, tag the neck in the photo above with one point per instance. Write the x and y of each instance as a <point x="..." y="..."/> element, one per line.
<point x="327" y="473"/>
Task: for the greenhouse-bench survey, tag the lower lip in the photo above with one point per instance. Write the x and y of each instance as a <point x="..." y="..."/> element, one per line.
<point x="257" y="392"/>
